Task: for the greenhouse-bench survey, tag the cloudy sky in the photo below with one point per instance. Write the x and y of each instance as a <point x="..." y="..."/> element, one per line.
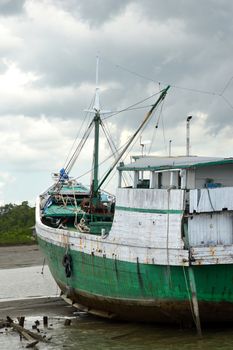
<point x="48" y="52"/>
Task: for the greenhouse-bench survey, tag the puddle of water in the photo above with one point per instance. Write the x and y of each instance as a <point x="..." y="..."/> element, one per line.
<point x="27" y="282"/>
<point x="87" y="332"/>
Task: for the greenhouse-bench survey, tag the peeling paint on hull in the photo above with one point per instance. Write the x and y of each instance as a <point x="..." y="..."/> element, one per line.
<point x="137" y="291"/>
<point x="159" y="311"/>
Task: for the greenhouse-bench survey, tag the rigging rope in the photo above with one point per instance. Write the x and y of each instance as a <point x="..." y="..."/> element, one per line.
<point x="111" y="145"/>
<point x="159" y="82"/>
<point x="135" y="104"/>
<point x="79" y="147"/>
<point x="104" y="161"/>
<point x="128" y="151"/>
<point x="79" y="132"/>
<point x="177" y="86"/>
<point x="156" y="127"/>
<point x="110" y="179"/>
<point x="139" y="129"/>
<point x="128" y="173"/>
<point x="227" y="101"/>
<point x="81" y="144"/>
<point x="117" y="150"/>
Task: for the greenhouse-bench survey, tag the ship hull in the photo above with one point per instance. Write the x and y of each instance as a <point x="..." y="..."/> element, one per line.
<point x="138" y="291"/>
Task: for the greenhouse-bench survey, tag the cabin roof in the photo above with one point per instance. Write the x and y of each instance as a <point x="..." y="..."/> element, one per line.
<point x="179" y="162"/>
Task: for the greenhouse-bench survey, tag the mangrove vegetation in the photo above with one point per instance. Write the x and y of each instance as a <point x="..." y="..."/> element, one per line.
<point x="17" y="224"/>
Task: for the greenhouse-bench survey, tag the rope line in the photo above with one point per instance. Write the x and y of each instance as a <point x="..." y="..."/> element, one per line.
<point x="111" y="145"/>
<point x="156" y="127"/>
<point x="226" y="86"/>
<point x="79" y="147"/>
<point x="135" y="104"/>
<point x="79" y="132"/>
<point x="104" y="161"/>
<point x="213" y="93"/>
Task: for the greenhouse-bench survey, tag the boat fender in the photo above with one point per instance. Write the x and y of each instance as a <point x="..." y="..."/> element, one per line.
<point x="66" y="262"/>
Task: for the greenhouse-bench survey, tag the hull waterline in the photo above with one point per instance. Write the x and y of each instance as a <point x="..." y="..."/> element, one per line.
<point x="140" y="292"/>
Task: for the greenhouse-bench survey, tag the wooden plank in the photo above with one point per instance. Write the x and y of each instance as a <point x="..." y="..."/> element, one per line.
<point x="26" y="333"/>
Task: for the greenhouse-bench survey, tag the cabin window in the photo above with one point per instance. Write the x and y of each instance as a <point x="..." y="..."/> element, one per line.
<point x="152" y="179"/>
<point x="143" y="183"/>
<point x="144" y="179"/>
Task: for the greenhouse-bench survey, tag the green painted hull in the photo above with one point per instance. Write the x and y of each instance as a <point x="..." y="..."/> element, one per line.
<point x="142" y="292"/>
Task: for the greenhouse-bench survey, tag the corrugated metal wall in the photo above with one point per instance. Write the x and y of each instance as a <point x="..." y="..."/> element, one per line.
<point x="210" y="229"/>
<point x="211" y="199"/>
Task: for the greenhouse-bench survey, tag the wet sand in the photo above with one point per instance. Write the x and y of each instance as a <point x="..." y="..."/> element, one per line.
<point x="85" y="331"/>
<point x="25" y="256"/>
<point x="36" y="307"/>
<point x="20" y="256"/>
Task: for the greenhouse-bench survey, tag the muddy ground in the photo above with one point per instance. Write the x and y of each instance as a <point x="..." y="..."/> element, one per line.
<point x="20" y="256"/>
<point x="25" y="256"/>
<point x="39" y="307"/>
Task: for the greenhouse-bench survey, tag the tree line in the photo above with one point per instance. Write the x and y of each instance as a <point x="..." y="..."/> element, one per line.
<point x="17" y="223"/>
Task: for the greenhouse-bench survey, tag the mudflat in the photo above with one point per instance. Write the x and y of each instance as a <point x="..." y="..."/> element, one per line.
<point x="20" y="256"/>
<point x="54" y="306"/>
<point x="26" y="256"/>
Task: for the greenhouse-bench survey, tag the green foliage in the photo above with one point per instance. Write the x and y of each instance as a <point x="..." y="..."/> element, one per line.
<point x="16" y="223"/>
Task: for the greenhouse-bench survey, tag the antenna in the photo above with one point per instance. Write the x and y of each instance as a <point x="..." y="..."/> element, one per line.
<point x="97" y="72"/>
<point x="96" y="106"/>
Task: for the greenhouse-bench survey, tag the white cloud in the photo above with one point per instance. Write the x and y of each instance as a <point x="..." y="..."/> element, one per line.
<point x="9" y="39"/>
<point x="6" y="179"/>
<point x="13" y="79"/>
<point x="33" y="144"/>
<point x="45" y="15"/>
<point x="47" y="78"/>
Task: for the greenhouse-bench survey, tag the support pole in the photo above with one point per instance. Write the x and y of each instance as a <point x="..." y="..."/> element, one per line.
<point x="188" y="135"/>
<point x="194" y="300"/>
<point x="170" y="148"/>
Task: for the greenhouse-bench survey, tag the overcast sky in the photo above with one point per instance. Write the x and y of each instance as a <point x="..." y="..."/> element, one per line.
<point x="48" y="52"/>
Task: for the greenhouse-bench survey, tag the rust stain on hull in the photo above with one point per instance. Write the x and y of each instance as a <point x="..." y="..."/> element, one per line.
<point x="159" y="311"/>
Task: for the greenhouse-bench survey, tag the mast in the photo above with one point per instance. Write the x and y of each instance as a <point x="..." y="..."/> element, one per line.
<point x="96" y="158"/>
<point x="96" y="120"/>
<point x="96" y="109"/>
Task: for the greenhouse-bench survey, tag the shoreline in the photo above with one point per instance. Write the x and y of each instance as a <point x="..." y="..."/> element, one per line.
<point x="15" y="256"/>
<point x="17" y="244"/>
<point x="45" y="306"/>
<point x="19" y="256"/>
